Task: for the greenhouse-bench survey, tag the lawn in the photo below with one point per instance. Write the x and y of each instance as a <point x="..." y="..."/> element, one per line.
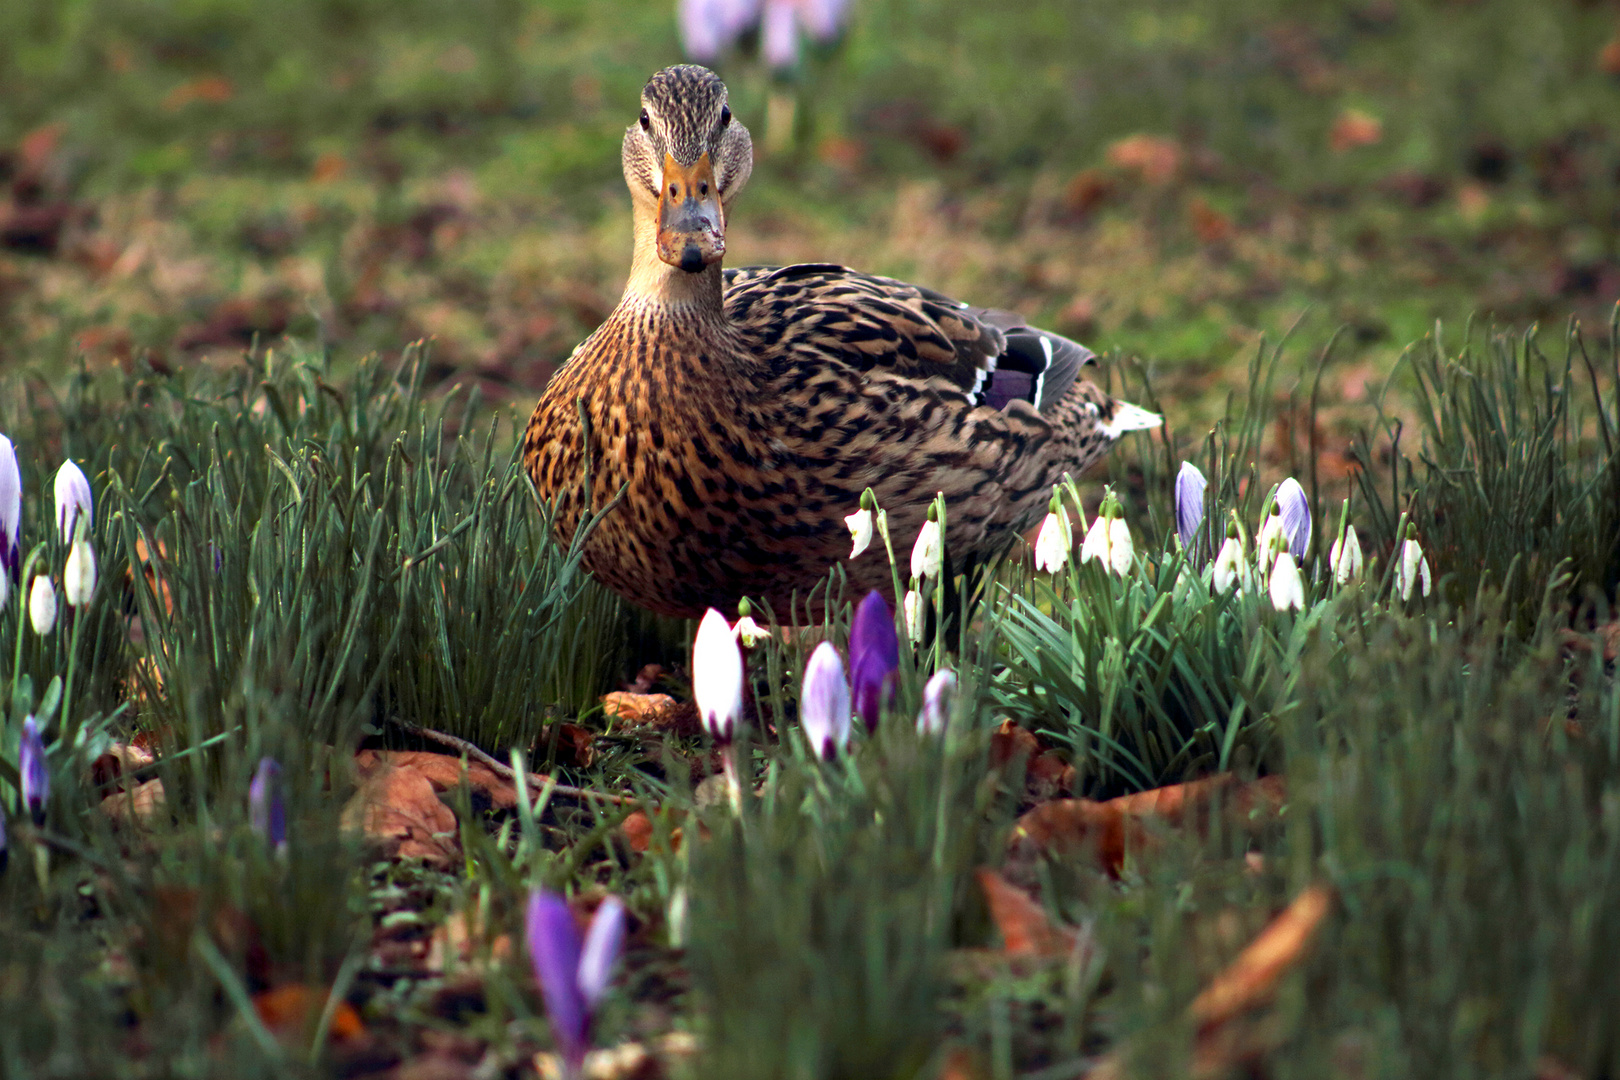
<point x="337" y="712"/>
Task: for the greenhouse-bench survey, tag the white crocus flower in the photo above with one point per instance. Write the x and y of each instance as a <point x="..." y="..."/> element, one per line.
<point x="42" y="605"/>
<point x="928" y="554"/>
<point x="72" y="499"/>
<point x="1346" y="558"/>
<point x="10" y="507"/>
<point x="79" y="575"/>
<point x="1412" y="569"/>
<point x="1053" y="542"/>
<point x="717" y="677"/>
<point x="824" y="701"/>
<point x="1190" y="485"/>
<point x="1287" y="589"/>
<point x="912" y="605"/>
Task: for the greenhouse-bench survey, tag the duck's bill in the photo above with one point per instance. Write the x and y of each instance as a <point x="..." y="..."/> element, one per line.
<point x="691" y="221"/>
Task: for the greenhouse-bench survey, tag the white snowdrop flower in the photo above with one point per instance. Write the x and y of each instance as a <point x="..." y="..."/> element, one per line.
<point x="42" y="605"/>
<point x="1346" y="557"/>
<point x="1287" y="589"/>
<point x="1053" y="542"/>
<point x="79" y="575"/>
<point x="860" y="531"/>
<point x="1120" y="548"/>
<point x="928" y="554"/>
<point x="1413" y="568"/>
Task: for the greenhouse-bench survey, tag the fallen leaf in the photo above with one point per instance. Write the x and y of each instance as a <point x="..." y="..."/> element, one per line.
<point x="443" y="771"/>
<point x="108" y="771"/>
<point x="1116" y="825"/>
<point x="137" y="806"/>
<point x="291" y="1012"/>
<point x="567" y="744"/>
<point x="631" y="708"/>
<point x="1609" y="56"/>
<point x="214" y="89"/>
<point x="1155" y="158"/>
<point x="1010" y="741"/>
<point x="1209" y="224"/>
<point x="1025" y="929"/>
<point x="1353" y="128"/>
<point x="399" y="808"/>
<point x="1250" y="980"/>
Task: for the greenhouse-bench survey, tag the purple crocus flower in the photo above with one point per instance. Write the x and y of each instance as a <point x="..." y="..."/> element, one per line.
<point x="5" y="853"/>
<point x="36" y="775"/>
<point x="267" y="803"/>
<point x="874" y="658"/>
<point x="1296" y="516"/>
<point x="1190" y="485"/>
<point x="573" y="974"/>
<point x="824" y="701"/>
<point x="10" y="510"/>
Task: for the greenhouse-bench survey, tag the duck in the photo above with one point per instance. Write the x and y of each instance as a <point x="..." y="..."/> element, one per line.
<point x="721" y="424"/>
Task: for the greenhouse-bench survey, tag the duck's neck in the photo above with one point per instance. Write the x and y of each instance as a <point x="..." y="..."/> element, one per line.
<point x="655" y="285"/>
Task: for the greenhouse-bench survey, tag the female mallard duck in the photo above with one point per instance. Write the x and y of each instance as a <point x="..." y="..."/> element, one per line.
<point x="743" y="412"/>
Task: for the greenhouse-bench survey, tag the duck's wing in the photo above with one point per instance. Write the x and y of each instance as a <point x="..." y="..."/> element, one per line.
<point x="810" y="311"/>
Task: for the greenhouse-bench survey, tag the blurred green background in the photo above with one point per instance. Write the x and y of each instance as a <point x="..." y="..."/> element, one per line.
<point x="1167" y="179"/>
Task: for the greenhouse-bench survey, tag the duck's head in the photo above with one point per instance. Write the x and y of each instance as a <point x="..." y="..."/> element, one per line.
<point x="687" y="157"/>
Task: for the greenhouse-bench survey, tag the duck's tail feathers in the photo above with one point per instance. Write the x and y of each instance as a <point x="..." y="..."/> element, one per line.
<point x="1128" y="417"/>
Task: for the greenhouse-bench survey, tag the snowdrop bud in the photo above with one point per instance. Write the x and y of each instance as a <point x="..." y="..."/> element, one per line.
<point x="913" y="606"/>
<point x="939" y="696"/>
<point x="1346" y="558"/>
<point x="1120" y="548"/>
<point x="1286" y="587"/>
<point x="1053" y="542"/>
<point x="824" y="701"/>
<point x="1413" y="568"/>
<point x="1190" y="485"/>
<point x="1296" y="516"/>
<point x="72" y="499"/>
<point x="874" y="658"/>
<point x="267" y="803"/>
<point x="928" y="554"/>
<point x="36" y="774"/>
<point x="10" y="509"/>
<point x="42" y="605"/>
<point x="79" y="575"/>
<point x="717" y="676"/>
<point x="600" y="951"/>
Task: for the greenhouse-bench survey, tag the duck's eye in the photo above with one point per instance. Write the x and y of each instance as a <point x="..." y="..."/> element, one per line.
<point x="725" y="115"/>
<point x="646" y="121"/>
<point x="703" y="188"/>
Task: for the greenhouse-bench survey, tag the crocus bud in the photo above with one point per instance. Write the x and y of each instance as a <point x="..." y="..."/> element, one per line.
<point x="1413" y="568"/>
<point x="42" y="605"/>
<point x="928" y="553"/>
<point x="554" y="950"/>
<point x="824" y="701"/>
<point x="1190" y="485"/>
<point x="1296" y="516"/>
<point x="1053" y="542"/>
<point x="1228" y="568"/>
<point x="1346" y="558"/>
<point x="860" y="523"/>
<point x="717" y="677"/>
<point x="72" y="500"/>
<point x="939" y="696"/>
<point x="10" y="510"/>
<point x="79" y="575"/>
<point x="267" y="803"/>
<point x="874" y="658"/>
<point x="1286" y="587"/>
<point x="600" y="952"/>
<point x="36" y="774"/>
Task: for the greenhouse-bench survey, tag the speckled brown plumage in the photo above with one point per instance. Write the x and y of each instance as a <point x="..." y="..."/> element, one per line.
<point x="744" y="412"/>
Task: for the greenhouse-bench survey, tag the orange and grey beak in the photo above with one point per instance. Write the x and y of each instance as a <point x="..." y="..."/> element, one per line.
<point x="691" y="221"/>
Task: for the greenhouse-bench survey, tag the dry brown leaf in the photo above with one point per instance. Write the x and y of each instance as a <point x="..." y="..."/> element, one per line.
<point x="214" y="89"/>
<point x="1609" y="57"/>
<point x="1251" y="979"/>
<point x="1025" y="929"/>
<point x="137" y="806"/>
<point x="399" y="808"/>
<point x="108" y="772"/>
<point x="632" y="708"/>
<point x="291" y="1011"/>
<point x="1209" y="224"/>
<point x="1353" y="128"/>
<point x="574" y="745"/>
<point x="443" y="771"/>
<point x="1114" y="826"/>
<point x="1010" y="741"/>
<point x="1155" y="158"/>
